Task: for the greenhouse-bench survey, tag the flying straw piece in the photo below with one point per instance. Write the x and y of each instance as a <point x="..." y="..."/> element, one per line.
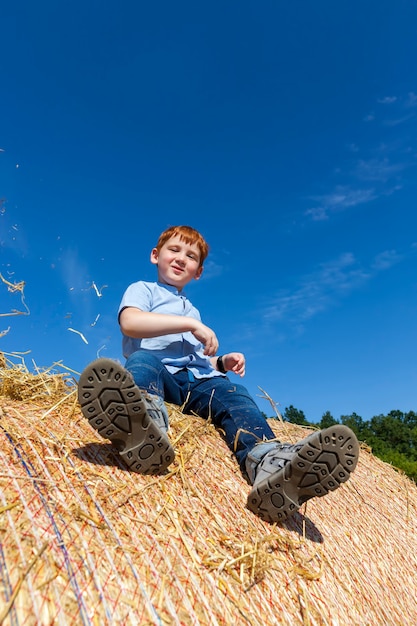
<point x="78" y="333"/>
<point x="98" y="291"/>
<point x="95" y="321"/>
<point x="13" y="287"/>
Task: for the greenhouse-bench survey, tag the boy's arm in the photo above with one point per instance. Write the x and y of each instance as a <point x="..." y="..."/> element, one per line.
<point x="142" y="324"/>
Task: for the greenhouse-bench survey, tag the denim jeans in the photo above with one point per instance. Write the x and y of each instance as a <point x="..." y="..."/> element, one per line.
<point x="229" y="405"/>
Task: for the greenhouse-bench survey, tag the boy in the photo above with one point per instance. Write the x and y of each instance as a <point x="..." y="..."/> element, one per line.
<point x="172" y="356"/>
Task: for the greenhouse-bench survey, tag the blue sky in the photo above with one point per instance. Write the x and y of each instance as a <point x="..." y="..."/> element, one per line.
<point x="284" y="132"/>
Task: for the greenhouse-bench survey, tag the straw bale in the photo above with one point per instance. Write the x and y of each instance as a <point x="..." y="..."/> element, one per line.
<point x="18" y="383"/>
<point x="85" y="541"/>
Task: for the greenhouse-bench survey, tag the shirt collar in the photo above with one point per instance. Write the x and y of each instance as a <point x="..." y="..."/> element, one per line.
<point x="171" y="288"/>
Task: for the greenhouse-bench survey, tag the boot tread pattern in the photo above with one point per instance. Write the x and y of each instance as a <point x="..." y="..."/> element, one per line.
<point x="321" y="464"/>
<point x="114" y="406"/>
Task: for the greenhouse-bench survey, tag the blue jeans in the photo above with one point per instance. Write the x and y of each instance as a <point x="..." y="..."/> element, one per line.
<point x="229" y="406"/>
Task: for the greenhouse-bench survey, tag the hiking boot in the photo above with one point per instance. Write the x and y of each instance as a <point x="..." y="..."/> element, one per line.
<point x="135" y="422"/>
<point x="284" y="476"/>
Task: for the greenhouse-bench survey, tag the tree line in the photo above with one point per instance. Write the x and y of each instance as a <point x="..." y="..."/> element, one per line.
<point x="392" y="437"/>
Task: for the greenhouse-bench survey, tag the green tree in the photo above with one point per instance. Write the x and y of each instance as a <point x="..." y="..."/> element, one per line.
<point x="355" y="423"/>
<point x="327" y="420"/>
<point x="396" y="430"/>
<point x="295" y="416"/>
<point x="410" y="419"/>
<point x="399" y="461"/>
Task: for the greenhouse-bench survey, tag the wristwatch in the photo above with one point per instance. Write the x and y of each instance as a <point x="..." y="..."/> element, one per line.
<point x="220" y="365"/>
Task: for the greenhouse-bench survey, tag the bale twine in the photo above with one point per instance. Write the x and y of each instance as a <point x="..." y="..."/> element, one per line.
<point x="85" y="541"/>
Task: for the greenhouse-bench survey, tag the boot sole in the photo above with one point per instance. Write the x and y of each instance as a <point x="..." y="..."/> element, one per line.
<point x="114" y="406"/>
<point x="323" y="462"/>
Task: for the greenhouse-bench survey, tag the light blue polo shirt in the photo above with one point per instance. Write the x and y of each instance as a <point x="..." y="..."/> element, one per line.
<point x="176" y="351"/>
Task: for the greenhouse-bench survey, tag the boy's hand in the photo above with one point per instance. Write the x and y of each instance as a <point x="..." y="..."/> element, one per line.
<point x="234" y="362"/>
<point x="207" y="337"/>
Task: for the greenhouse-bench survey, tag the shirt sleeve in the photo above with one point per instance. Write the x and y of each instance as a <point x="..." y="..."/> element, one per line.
<point x="137" y="295"/>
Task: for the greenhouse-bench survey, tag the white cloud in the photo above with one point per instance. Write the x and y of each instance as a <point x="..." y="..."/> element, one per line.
<point x="411" y="100"/>
<point x="405" y="109"/>
<point x="326" y="286"/>
<point x="399" y="120"/>
<point x="212" y="269"/>
<point x="385" y="260"/>
<point x="318" y="290"/>
<point x="378" y="169"/>
<point x="73" y="271"/>
<point x="387" y="100"/>
<point x="343" y="197"/>
<point x="371" y="179"/>
<point x="318" y="214"/>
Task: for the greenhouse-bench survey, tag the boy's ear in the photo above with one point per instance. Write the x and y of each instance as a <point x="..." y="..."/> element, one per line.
<point x="198" y="273"/>
<point x="154" y="256"/>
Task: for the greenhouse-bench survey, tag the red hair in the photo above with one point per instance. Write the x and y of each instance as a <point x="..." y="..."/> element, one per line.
<point x="187" y="234"/>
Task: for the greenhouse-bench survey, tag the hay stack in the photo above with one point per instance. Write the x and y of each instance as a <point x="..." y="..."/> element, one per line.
<point x="84" y="541"/>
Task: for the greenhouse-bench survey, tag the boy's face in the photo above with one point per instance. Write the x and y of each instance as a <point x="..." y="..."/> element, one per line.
<point x="178" y="262"/>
